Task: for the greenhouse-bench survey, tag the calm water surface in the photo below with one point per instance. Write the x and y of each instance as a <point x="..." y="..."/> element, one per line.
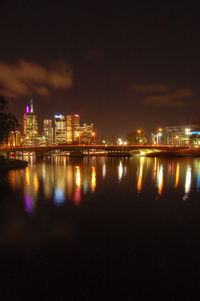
<point x="101" y="228"/>
<point x="62" y="180"/>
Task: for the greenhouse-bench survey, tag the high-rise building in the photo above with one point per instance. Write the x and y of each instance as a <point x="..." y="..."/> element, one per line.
<point x="30" y="126"/>
<point x="59" y="129"/>
<point x="48" y="131"/>
<point x="87" y="134"/>
<point x="73" y="128"/>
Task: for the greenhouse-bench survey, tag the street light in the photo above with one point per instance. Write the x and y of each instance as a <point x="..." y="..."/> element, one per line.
<point x="78" y="136"/>
<point x="139" y="136"/>
<point x="177" y="137"/>
<point x="187" y="132"/>
<point x="159" y="134"/>
<point x="93" y="134"/>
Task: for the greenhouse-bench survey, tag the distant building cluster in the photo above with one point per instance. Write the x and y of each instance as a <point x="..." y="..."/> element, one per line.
<point x="62" y="129"/>
<point x="180" y="135"/>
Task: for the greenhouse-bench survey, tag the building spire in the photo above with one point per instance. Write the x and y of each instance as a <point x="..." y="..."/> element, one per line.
<point x="31" y="105"/>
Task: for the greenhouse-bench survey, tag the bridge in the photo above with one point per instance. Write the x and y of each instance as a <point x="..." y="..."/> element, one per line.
<point x="81" y="150"/>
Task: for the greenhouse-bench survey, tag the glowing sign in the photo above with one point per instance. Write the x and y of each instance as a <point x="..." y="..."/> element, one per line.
<point x="59" y="116"/>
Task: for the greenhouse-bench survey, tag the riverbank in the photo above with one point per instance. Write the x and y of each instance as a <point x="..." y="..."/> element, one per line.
<point x="194" y="153"/>
<point x="6" y="164"/>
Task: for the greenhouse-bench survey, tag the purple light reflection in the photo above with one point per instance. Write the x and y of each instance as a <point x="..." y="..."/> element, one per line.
<point x="28" y="205"/>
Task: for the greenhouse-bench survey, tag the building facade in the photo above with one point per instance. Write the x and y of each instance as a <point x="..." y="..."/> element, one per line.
<point x="59" y="129"/>
<point x="73" y="129"/>
<point x="48" y="131"/>
<point x="87" y="135"/>
<point x="30" y="126"/>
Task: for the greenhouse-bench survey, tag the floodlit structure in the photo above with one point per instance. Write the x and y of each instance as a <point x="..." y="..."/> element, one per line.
<point x="73" y="129"/>
<point x="59" y="129"/>
<point x="48" y="131"/>
<point x="30" y="126"/>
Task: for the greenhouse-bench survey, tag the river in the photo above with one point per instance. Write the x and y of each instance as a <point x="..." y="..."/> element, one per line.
<point x="101" y="228"/>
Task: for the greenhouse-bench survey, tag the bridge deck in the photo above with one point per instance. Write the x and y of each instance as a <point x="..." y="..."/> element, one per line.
<point x="107" y="148"/>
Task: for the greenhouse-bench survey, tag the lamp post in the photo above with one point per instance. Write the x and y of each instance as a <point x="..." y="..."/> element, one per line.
<point x="178" y="141"/>
<point x="139" y="136"/>
<point x="78" y="136"/>
<point x="159" y="134"/>
<point x="93" y="137"/>
<point x="187" y="132"/>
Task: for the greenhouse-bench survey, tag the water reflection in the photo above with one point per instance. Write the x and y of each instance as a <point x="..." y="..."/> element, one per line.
<point x="177" y="175"/>
<point x="159" y="179"/>
<point x="60" y="179"/>
<point x="104" y="170"/>
<point x="93" y="178"/>
<point x="139" y="181"/>
<point x="120" y="171"/>
<point x="188" y="180"/>
<point x="77" y="190"/>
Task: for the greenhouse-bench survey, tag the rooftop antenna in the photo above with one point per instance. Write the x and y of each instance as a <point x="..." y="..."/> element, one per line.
<point x="31" y="105"/>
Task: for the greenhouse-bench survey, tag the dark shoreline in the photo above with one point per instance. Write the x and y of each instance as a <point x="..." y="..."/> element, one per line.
<point x="7" y="164"/>
<point x="174" y="155"/>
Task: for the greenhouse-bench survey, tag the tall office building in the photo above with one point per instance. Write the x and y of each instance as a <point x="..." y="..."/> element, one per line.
<point x="87" y="133"/>
<point x="59" y="129"/>
<point x="48" y="131"/>
<point x="73" y="128"/>
<point x="30" y="126"/>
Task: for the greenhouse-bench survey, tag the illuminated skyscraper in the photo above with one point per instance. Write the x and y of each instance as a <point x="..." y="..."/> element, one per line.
<point x="59" y="129"/>
<point x="30" y="126"/>
<point x="48" y="131"/>
<point x="87" y="133"/>
<point x="73" y="128"/>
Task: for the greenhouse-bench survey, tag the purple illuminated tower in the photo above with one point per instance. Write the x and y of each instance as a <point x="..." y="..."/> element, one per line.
<point x="30" y="126"/>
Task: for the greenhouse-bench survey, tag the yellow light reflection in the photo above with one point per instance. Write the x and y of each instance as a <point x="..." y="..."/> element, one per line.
<point x="27" y="176"/>
<point x="69" y="182"/>
<point x="35" y="182"/>
<point x="155" y="169"/>
<point x="78" y="177"/>
<point x="120" y="171"/>
<point x="139" y="181"/>
<point x="93" y="178"/>
<point x="170" y="169"/>
<point x="12" y="178"/>
<point x="177" y="175"/>
<point x="160" y="180"/>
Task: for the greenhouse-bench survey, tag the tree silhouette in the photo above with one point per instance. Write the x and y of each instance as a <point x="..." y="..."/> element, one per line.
<point x="8" y="121"/>
<point x="136" y="137"/>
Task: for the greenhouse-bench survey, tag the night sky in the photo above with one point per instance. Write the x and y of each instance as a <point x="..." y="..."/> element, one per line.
<point x="120" y="67"/>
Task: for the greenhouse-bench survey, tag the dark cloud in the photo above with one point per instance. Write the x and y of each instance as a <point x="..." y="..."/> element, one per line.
<point x="150" y="88"/>
<point x="178" y="98"/>
<point x="164" y="95"/>
<point x="29" y="78"/>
